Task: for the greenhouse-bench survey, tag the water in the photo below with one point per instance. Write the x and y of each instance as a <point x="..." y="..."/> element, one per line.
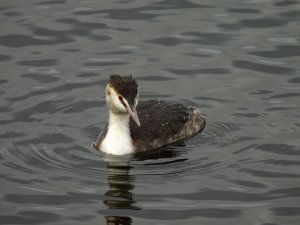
<point x="236" y="60"/>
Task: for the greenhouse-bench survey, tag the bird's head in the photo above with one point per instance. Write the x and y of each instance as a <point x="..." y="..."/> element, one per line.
<point x="122" y="96"/>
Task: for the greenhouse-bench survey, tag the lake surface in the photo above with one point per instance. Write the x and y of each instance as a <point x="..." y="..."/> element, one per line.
<point x="238" y="61"/>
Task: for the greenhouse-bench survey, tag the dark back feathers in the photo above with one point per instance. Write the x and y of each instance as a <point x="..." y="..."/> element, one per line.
<point x="162" y="123"/>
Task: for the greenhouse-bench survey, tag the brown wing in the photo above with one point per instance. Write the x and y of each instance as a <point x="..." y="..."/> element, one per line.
<point x="163" y="123"/>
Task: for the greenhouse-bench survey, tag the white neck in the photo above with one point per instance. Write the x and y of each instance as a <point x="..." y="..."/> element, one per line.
<point x="118" y="140"/>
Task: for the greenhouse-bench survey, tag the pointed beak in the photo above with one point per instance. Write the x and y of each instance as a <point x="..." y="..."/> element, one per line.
<point x="133" y="113"/>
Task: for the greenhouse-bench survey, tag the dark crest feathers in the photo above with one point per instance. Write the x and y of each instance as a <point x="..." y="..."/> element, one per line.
<point x="125" y="86"/>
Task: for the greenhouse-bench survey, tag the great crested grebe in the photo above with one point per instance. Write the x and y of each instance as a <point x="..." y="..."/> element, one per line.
<point x="152" y="124"/>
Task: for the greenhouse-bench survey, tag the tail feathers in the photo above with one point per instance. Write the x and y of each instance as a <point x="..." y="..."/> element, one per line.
<point x="197" y="120"/>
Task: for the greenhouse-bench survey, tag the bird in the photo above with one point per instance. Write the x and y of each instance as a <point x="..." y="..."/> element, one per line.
<point x="135" y="126"/>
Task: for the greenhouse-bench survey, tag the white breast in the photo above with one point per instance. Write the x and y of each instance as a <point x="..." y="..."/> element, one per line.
<point x="118" y="140"/>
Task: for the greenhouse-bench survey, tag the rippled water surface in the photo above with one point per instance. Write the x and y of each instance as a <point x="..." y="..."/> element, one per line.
<point x="236" y="60"/>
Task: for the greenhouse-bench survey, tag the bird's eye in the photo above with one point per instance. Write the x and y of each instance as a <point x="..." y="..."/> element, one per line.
<point x="121" y="99"/>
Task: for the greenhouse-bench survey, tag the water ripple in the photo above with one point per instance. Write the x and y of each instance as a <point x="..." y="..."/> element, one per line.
<point x="281" y="51"/>
<point x="20" y="40"/>
<point x="199" y="71"/>
<point x="243" y="64"/>
<point x="60" y="88"/>
<point x="39" y="62"/>
<point x="41" y="78"/>
<point x="30" y="217"/>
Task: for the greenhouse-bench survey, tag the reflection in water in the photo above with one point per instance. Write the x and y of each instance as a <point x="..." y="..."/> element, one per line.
<point x="118" y="220"/>
<point x="121" y="183"/>
<point x="119" y="195"/>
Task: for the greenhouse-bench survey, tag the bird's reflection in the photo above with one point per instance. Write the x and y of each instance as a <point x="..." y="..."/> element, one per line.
<point x="118" y="220"/>
<point x="121" y="183"/>
<point x="119" y="195"/>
